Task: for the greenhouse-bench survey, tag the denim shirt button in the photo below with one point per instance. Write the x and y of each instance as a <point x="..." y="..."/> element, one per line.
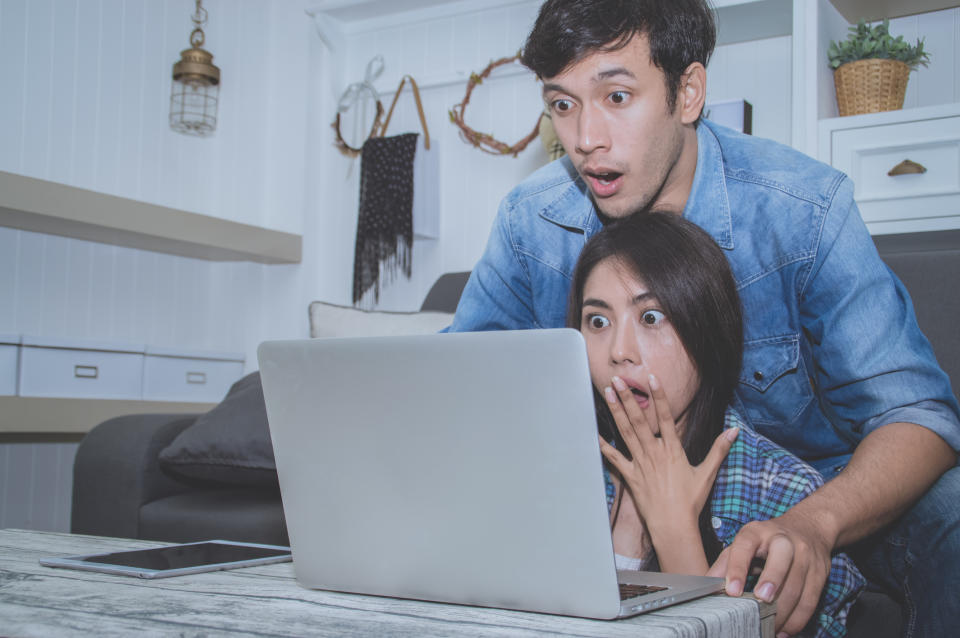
<point x="758" y="375"/>
<point x="715" y="522"/>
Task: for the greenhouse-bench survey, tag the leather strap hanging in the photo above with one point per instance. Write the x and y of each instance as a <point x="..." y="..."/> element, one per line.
<point x="416" y="97"/>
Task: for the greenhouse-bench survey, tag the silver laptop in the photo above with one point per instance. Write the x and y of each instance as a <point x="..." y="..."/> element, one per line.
<point x="459" y="468"/>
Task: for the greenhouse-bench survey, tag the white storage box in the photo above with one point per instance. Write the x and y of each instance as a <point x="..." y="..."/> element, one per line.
<point x="9" y="355"/>
<point x="179" y="375"/>
<point x="51" y="367"/>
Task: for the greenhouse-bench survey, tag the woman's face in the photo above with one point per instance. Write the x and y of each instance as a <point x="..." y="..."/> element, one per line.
<point x="628" y="336"/>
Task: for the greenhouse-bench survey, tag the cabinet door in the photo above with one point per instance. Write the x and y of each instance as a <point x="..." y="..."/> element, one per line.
<point x="880" y="160"/>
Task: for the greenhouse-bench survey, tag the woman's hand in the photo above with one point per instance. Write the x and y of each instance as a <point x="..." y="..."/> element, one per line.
<point x="669" y="492"/>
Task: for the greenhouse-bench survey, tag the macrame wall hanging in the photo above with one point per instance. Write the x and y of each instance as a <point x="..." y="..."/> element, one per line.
<point x="385" y="218"/>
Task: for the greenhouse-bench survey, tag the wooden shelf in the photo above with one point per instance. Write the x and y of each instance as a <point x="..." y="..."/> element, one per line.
<point x="46" y="207"/>
<point x="40" y="415"/>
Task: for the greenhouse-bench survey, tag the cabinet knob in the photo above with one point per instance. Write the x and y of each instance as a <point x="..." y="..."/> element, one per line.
<point x="907" y="167"/>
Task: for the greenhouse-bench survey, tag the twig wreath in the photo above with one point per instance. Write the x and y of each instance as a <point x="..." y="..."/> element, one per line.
<point x="484" y="141"/>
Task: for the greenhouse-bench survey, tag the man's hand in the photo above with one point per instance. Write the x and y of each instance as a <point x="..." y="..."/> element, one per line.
<point x="797" y="563"/>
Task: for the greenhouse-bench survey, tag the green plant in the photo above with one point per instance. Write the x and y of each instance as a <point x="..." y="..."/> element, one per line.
<point x="865" y="42"/>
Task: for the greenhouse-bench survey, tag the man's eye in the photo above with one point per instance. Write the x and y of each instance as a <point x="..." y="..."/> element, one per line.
<point x="652" y="317"/>
<point x="562" y="106"/>
<point x="618" y="97"/>
<point x="598" y="322"/>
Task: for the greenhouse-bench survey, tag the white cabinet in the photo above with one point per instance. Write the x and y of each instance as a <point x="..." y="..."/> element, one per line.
<point x="52" y="367"/>
<point x="178" y="375"/>
<point x="70" y="368"/>
<point x="9" y="358"/>
<point x="905" y="166"/>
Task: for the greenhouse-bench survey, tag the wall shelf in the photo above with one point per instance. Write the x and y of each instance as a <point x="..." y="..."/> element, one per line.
<point x="38" y="415"/>
<point x="41" y="206"/>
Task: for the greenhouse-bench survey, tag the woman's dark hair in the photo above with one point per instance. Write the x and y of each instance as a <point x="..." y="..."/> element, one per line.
<point x="687" y="272"/>
<point x="680" y="32"/>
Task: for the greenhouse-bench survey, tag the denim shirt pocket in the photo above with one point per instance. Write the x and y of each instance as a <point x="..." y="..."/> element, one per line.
<point x="774" y="386"/>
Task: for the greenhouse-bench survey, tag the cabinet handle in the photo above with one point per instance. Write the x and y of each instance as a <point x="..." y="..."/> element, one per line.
<point x="85" y="372"/>
<point x="198" y="378"/>
<point x="907" y="167"/>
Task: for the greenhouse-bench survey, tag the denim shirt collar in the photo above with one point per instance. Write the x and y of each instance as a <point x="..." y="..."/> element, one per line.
<point x="573" y="207"/>
<point x="708" y="205"/>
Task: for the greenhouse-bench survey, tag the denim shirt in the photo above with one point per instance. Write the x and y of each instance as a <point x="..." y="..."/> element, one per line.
<point x="832" y="349"/>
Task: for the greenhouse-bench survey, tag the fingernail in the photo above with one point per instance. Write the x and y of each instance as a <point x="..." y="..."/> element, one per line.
<point x="734" y="588"/>
<point x="610" y="394"/>
<point x="732" y="433"/>
<point x="783" y="634"/>
<point x="654" y="384"/>
<point x="765" y="592"/>
<point x="619" y="384"/>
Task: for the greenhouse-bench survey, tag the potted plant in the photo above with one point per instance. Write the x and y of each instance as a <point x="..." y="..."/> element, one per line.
<point x="871" y="68"/>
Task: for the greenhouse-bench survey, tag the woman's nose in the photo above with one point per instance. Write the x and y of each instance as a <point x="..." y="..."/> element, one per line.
<point x="625" y="347"/>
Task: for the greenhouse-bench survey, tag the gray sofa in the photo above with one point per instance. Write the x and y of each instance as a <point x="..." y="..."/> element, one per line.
<point x="120" y="488"/>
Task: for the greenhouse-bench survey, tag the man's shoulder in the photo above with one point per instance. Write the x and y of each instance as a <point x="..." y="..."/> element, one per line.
<point x="763" y="163"/>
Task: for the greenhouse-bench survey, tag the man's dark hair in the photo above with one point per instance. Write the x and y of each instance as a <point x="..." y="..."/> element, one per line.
<point x="688" y="274"/>
<point x="680" y="32"/>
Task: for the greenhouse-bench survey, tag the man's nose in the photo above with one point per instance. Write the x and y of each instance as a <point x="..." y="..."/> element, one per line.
<point x="592" y="131"/>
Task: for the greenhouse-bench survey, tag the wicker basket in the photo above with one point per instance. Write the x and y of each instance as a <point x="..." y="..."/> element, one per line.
<point x="870" y="86"/>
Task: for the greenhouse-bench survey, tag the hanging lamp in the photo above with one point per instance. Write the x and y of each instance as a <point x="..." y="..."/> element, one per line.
<point x="196" y="85"/>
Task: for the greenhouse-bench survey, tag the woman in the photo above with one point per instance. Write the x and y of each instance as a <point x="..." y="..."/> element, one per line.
<point x="658" y="307"/>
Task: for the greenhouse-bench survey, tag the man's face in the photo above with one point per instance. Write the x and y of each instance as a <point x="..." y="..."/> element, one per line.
<point x="610" y="113"/>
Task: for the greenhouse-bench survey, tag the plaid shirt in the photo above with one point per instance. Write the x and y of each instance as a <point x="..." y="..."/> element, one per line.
<point x="760" y="480"/>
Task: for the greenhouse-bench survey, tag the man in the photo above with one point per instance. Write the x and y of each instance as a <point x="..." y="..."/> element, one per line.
<point x="835" y="367"/>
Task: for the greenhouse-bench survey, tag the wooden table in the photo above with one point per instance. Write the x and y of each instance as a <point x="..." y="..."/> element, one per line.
<point x="266" y="601"/>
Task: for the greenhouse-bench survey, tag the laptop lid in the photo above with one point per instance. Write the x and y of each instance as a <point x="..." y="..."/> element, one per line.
<point x="458" y="468"/>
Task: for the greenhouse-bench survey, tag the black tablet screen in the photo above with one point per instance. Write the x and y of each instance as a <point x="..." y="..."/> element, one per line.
<point x="192" y="555"/>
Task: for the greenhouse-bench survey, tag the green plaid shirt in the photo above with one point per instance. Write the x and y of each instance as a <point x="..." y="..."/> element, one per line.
<point x="760" y="480"/>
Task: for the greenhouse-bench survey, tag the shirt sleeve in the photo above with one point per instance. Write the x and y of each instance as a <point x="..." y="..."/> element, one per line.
<point x="497" y="295"/>
<point x="872" y="364"/>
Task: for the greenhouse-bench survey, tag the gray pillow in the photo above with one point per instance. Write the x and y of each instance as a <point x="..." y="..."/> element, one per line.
<point x="230" y="444"/>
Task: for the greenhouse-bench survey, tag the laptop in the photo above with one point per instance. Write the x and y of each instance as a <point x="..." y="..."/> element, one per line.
<point x="457" y="468"/>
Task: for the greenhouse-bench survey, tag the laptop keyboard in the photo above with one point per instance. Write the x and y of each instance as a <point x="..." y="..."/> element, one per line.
<point x="630" y="591"/>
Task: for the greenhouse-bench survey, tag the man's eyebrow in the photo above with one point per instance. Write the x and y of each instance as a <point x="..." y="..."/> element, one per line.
<point x="601" y="76"/>
<point x="619" y="70"/>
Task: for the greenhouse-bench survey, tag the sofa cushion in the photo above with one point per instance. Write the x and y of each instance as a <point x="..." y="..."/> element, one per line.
<point x="331" y="320"/>
<point x="230" y="444"/>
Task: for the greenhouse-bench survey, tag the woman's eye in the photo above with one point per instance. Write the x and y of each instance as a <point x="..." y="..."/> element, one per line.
<point x="618" y="97"/>
<point x="652" y="317"/>
<point x="561" y="106"/>
<point x="598" y="322"/>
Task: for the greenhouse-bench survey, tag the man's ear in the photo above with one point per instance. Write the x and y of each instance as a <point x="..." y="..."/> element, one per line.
<point x="693" y="93"/>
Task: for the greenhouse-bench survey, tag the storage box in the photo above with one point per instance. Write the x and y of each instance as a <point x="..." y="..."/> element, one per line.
<point x="180" y="375"/>
<point x="9" y="359"/>
<point x="53" y="367"/>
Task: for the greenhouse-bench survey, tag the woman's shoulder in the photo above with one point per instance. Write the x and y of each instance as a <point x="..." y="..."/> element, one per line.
<point x="759" y="479"/>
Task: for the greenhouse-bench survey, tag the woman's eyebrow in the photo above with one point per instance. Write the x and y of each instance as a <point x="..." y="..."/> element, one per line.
<point x="644" y="296"/>
<point x="598" y="303"/>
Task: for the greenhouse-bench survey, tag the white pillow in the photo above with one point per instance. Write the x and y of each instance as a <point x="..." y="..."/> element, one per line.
<point x="331" y="320"/>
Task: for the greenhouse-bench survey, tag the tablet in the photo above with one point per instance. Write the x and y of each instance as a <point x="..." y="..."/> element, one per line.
<point x="176" y="560"/>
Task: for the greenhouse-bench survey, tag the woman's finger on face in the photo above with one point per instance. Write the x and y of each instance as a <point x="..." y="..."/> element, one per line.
<point x="658" y="399"/>
<point x="638" y="420"/>
<point x="627" y="431"/>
